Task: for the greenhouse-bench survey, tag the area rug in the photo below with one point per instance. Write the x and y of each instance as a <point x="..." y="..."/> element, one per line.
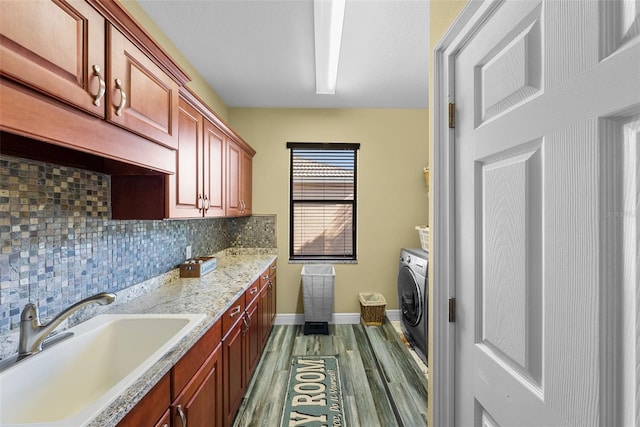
<point x="314" y="393"/>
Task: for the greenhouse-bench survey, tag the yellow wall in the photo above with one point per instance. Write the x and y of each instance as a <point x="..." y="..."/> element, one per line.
<point x="392" y="196"/>
<point x="197" y="83"/>
<point x="442" y="14"/>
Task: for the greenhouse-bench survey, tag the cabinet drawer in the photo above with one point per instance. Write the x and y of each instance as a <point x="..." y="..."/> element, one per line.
<point x="267" y="274"/>
<point x="231" y="316"/>
<point x="189" y="364"/>
<point x="252" y="292"/>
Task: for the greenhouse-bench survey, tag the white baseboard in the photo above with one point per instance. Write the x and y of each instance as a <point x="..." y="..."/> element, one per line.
<point x="393" y="315"/>
<point x="338" y="318"/>
<point x="289" y="319"/>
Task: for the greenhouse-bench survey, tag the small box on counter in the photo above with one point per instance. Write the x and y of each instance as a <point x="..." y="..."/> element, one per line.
<point x="198" y="267"/>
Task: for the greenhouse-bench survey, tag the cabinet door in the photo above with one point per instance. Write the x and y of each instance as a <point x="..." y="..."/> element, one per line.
<point x="214" y="170"/>
<point x="234" y="372"/>
<point x="246" y="170"/>
<point x="234" y="156"/>
<point x="265" y="315"/>
<point x="55" y="47"/>
<point x="200" y="403"/>
<point x="253" y="337"/>
<point x="272" y="301"/>
<point x="185" y="186"/>
<point x="143" y="98"/>
<point x="151" y="410"/>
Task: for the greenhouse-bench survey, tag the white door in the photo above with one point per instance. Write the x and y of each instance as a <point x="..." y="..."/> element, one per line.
<point x="547" y="180"/>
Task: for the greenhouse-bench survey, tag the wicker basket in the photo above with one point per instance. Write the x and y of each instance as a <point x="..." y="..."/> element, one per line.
<point x="423" y="232"/>
<point x="372" y="308"/>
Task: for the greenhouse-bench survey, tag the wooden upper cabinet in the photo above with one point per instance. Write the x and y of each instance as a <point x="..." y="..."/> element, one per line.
<point x="197" y="187"/>
<point x="142" y="97"/>
<point x="57" y="48"/>
<point x="234" y="204"/>
<point x="60" y="59"/>
<point x="185" y="186"/>
<point x="214" y="170"/>
<point x="246" y="176"/>
<point x="239" y="175"/>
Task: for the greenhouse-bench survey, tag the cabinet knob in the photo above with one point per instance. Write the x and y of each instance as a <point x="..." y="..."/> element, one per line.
<point x="102" y="88"/>
<point x="123" y="97"/>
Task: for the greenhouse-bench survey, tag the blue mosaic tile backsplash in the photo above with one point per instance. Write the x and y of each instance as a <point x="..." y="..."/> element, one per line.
<point x="59" y="244"/>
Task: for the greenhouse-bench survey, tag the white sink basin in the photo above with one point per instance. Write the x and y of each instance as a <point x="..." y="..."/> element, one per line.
<point x="71" y="382"/>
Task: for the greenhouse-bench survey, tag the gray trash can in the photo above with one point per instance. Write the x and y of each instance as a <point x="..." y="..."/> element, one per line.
<point x="318" y="282"/>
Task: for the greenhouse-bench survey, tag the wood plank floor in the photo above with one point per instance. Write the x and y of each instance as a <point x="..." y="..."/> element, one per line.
<point x="381" y="383"/>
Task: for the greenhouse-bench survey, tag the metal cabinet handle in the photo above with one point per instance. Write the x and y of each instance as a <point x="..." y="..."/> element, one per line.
<point x="234" y="311"/>
<point x="183" y="417"/>
<point x="102" y="88"/>
<point x="123" y="97"/>
<point x="207" y="203"/>
<point x="247" y="323"/>
<point x="200" y="203"/>
<point x="253" y="291"/>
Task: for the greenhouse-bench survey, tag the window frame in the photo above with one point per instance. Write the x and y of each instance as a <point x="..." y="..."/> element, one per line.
<point x="333" y="146"/>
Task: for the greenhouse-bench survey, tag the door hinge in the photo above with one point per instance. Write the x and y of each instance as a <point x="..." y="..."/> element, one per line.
<point x="452" y="310"/>
<point x="452" y="115"/>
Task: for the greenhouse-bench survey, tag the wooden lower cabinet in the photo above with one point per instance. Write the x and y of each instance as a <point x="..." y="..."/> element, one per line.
<point x="200" y="402"/>
<point x="235" y="382"/>
<point x="206" y="386"/>
<point x="268" y="297"/>
<point x="152" y="410"/>
<point x="253" y="327"/>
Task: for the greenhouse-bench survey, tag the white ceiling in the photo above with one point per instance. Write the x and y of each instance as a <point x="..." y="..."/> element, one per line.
<point x="260" y="53"/>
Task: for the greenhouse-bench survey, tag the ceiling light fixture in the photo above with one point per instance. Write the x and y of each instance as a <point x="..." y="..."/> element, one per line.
<point x="328" y="16"/>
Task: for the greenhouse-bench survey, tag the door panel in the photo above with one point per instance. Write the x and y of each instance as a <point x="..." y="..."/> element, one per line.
<point x="511" y="314"/>
<point x="547" y="99"/>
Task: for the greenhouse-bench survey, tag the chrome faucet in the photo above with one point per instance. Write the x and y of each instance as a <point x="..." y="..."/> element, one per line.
<point x="33" y="332"/>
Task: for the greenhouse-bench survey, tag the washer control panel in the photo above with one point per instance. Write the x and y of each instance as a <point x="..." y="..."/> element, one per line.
<point x="416" y="259"/>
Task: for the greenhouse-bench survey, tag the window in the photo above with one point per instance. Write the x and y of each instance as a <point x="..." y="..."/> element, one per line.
<point x="322" y="187"/>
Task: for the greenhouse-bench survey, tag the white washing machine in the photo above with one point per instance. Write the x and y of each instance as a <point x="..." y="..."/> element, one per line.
<point x="413" y="296"/>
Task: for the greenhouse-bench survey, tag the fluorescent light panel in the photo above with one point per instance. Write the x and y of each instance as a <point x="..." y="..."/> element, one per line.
<point x="328" y="17"/>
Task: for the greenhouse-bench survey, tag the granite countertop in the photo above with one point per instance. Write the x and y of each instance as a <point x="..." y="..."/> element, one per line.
<point x="212" y="295"/>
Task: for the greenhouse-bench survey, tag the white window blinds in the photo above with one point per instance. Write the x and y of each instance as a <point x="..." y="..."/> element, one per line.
<point x="323" y="201"/>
